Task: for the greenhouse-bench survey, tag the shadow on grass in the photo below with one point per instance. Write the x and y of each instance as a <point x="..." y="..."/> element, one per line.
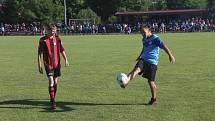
<point x="45" y="105"/>
<point x="36" y="103"/>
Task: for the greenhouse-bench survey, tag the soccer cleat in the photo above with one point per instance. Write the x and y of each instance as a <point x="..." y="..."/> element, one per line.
<point x="152" y="101"/>
<point x="53" y="104"/>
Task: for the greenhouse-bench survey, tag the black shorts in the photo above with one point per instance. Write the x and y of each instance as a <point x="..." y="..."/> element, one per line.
<point x="148" y="70"/>
<point x="55" y="72"/>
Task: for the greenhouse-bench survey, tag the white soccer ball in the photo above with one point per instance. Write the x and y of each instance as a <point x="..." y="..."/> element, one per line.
<point x="122" y="79"/>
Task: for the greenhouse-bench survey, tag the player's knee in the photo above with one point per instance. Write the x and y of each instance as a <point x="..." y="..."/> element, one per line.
<point x="136" y="70"/>
<point x="154" y="86"/>
<point x="51" y="84"/>
<point x="152" y="83"/>
<point x="51" y="81"/>
<point x="55" y="80"/>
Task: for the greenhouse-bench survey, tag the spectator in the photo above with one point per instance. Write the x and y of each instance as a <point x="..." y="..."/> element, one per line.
<point x="2" y="30"/>
<point x="163" y="28"/>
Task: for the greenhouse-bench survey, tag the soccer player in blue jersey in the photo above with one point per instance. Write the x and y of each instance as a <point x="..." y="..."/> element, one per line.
<point x="147" y="61"/>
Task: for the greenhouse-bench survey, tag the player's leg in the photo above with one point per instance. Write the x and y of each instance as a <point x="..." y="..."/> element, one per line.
<point x="137" y="70"/>
<point x="133" y="73"/>
<point x="57" y="74"/>
<point x="150" y="74"/>
<point x="49" y="74"/>
<point x="55" y="85"/>
<point x="51" y="91"/>
<point x="51" y="87"/>
<point x="153" y="88"/>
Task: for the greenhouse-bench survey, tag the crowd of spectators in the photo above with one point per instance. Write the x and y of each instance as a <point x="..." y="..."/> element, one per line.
<point x="158" y="25"/>
<point x="23" y="28"/>
<point x="183" y="25"/>
<point x="100" y="28"/>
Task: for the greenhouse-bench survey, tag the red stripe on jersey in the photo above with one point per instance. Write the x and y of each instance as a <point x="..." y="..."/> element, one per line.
<point x="49" y="53"/>
<point x="56" y="54"/>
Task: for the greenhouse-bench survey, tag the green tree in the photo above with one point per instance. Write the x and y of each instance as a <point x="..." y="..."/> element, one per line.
<point x="134" y="5"/>
<point x="33" y="10"/>
<point x="45" y="10"/>
<point x="88" y="14"/>
<point x="180" y="4"/>
<point x="103" y="8"/>
<point x="159" y="4"/>
<point x="74" y="6"/>
<point x="175" y="4"/>
<point x="13" y="10"/>
<point x="195" y="3"/>
<point x="211" y="5"/>
<point x="2" y="14"/>
<point x="112" y="19"/>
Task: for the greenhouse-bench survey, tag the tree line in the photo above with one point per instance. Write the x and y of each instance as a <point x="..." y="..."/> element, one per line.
<point x="15" y="11"/>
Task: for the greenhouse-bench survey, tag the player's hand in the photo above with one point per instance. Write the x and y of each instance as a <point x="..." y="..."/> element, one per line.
<point x="40" y="70"/>
<point x="66" y="63"/>
<point x="172" y="59"/>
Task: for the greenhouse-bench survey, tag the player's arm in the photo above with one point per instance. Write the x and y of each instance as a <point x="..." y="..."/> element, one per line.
<point x="139" y="56"/>
<point x="169" y="53"/>
<point x="62" y="50"/>
<point x="40" y="63"/>
<point x="142" y="49"/>
<point x="39" y="57"/>
<point x="65" y="58"/>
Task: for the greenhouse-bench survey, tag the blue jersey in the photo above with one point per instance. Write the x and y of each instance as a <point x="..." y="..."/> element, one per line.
<point x="151" y="47"/>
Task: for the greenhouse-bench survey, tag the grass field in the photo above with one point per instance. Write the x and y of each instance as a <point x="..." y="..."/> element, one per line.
<point x="88" y="90"/>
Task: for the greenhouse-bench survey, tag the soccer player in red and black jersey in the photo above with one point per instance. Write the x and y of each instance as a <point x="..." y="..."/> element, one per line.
<point x="50" y="47"/>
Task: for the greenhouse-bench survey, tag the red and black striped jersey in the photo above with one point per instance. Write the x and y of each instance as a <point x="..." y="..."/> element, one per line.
<point x="51" y="49"/>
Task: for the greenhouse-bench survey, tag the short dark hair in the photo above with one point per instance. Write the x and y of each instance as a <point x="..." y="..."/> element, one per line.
<point x="50" y="26"/>
<point x="146" y="26"/>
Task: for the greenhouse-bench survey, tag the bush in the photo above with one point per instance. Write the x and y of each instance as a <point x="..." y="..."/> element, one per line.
<point x="112" y="19"/>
